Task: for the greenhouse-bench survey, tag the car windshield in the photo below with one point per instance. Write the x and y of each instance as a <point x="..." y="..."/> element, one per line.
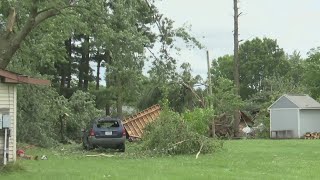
<point x="107" y="124"/>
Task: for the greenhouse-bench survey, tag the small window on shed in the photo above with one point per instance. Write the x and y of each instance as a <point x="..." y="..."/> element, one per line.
<point x="107" y="124"/>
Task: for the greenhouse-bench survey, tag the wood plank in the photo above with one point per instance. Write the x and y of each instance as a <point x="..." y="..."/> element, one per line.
<point x="135" y="131"/>
<point x="139" y="131"/>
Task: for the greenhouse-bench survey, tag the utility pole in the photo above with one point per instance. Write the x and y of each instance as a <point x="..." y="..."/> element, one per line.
<point x="213" y="127"/>
<point x="236" y="46"/>
<point x="209" y="78"/>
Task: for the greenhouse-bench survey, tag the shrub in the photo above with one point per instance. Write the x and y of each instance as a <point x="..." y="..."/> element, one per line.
<point x="40" y="110"/>
<point x="82" y="107"/>
<point x="199" y="119"/>
<point x="37" y="114"/>
<point x="170" y="134"/>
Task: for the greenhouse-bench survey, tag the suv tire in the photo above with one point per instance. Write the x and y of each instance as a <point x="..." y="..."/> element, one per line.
<point x="122" y="148"/>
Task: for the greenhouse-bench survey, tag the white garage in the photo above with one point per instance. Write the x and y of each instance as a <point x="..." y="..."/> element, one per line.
<point x="292" y="116"/>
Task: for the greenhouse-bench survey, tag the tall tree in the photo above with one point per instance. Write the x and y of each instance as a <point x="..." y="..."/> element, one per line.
<point x="260" y="59"/>
<point x="222" y="68"/>
<point x="236" y="65"/>
<point x="296" y="70"/>
<point x="312" y="72"/>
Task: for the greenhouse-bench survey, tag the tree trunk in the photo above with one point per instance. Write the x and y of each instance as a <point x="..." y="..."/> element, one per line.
<point x="86" y="64"/>
<point x="119" y="95"/>
<point x="62" y="139"/>
<point x="119" y="105"/>
<point x="236" y="47"/>
<point x="7" y="50"/>
<point x="236" y="64"/>
<point x="108" y="104"/>
<point x="80" y="77"/>
<point x="10" y="42"/>
<point x="108" y="113"/>
<point x="63" y="79"/>
<point x="98" y="75"/>
<point x="68" y="44"/>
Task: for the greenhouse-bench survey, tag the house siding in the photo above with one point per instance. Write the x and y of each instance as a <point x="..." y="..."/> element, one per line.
<point x="309" y="121"/>
<point x="8" y="101"/>
<point x="284" y="119"/>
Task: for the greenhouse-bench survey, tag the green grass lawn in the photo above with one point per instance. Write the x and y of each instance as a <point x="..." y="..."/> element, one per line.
<point x="240" y="159"/>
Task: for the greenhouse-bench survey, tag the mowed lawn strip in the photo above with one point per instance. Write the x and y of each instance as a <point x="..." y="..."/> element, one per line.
<point x="239" y="159"/>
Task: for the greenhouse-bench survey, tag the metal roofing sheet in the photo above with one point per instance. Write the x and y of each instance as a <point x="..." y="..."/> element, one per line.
<point x="295" y="101"/>
<point x="303" y="101"/>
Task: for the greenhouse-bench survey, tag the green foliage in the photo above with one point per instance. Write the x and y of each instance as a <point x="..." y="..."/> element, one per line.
<point x="170" y="134"/>
<point x="83" y="110"/>
<point x="38" y="110"/>
<point x="312" y="72"/>
<point x="225" y="98"/>
<point x="41" y="108"/>
<point x="222" y="68"/>
<point x="297" y="69"/>
<point x="260" y="59"/>
<point x="179" y="90"/>
<point x="199" y="119"/>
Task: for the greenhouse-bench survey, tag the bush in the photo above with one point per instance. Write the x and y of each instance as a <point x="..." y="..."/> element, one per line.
<point x="40" y="110"/>
<point x="82" y="108"/>
<point x="37" y="114"/>
<point x="199" y="119"/>
<point x="170" y="134"/>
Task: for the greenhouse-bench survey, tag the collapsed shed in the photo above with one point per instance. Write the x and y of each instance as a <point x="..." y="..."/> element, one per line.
<point x="135" y="124"/>
<point x="224" y="128"/>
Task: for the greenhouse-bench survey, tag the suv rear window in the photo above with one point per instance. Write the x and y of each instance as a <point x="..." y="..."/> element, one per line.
<point x="107" y="124"/>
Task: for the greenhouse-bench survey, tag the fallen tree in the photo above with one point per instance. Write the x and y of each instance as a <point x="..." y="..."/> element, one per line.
<point x="170" y="134"/>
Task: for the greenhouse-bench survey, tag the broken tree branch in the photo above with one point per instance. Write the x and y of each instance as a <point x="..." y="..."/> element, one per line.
<point x="199" y="150"/>
<point x="11" y="20"/>
<point x="152" y="53"/>
<point x="180" y="142"/>
<point x="99" y="155"/>
<point x="194" y="93"/>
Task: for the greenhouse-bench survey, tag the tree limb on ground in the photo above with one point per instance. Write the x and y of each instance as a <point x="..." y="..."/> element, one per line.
<point x="11" y="20"/>
<point x="199" y="150"/>
<point x="99" y="155"/>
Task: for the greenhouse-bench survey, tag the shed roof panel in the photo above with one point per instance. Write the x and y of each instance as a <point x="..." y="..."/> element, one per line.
<point x="303" y="101"/>
<point x="283" y="102"/>
<point x="295" y="101"/>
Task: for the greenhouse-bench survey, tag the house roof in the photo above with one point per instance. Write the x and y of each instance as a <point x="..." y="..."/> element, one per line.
<point x="295" y="101"/>
<point x="15" y="78"/>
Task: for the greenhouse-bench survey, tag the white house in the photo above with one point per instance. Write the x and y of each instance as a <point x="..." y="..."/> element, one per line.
<point x="291" y="116"/>
<point x="8" y="111"/>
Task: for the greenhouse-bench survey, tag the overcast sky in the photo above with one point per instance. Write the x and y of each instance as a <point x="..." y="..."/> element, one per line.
<point x="294" y="23"/>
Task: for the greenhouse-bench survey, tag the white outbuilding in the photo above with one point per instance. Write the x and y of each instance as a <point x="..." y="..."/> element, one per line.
<point x="292" y="116"/>
<point x="8" y="111"/>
